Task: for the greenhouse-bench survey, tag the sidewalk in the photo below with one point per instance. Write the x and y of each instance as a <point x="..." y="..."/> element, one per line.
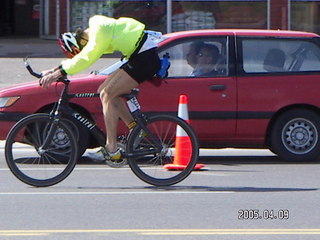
<point x="33" y="47"/>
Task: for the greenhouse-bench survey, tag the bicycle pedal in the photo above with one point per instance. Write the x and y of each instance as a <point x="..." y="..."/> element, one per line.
<point x="122" y="139"/>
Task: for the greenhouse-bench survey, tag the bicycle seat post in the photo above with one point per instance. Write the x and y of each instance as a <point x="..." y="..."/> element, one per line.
<point x="133" y="103"/>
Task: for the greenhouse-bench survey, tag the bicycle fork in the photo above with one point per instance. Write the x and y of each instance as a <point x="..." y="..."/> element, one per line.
<point x="48" y="139"/>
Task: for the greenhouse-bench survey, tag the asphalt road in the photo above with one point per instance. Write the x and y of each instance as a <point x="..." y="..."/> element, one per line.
<point x="98" y="202"/>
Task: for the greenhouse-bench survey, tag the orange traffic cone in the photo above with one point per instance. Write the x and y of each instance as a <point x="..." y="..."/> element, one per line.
<point x="183" y="149"/>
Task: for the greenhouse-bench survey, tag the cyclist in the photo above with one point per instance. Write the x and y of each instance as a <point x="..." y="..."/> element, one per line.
<point x="104" y="36"/>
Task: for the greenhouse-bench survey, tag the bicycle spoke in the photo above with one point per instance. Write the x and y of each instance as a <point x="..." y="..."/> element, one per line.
<point x="32" y="163"/>
<point x="34" y="134"/>
<point x="150" y="168"/>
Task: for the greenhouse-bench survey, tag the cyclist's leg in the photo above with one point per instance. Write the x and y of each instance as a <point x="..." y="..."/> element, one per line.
<point x="119" y="104"/>
<point x="113" y="107"/>
<point x="138" y="69"/>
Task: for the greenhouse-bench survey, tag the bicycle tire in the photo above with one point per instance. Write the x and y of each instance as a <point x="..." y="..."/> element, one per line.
<point x="36" y="166"/>
<point x="150" y="168"/>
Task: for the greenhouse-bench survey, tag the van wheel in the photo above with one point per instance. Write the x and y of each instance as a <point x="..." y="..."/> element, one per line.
<point x="82" y="136"/>
<point x="295" y="135"/>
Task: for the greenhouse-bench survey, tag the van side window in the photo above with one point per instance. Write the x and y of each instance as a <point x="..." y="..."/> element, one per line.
<point x="280" y="55"/>
<point x="198" y="57"/>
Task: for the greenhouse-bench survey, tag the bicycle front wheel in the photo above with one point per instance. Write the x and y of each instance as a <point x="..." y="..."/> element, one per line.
<point x="178" y="148"/>
<point x="34" y="162"/>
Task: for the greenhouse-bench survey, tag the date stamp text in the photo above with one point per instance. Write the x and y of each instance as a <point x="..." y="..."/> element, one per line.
<point x="266" y="214"/>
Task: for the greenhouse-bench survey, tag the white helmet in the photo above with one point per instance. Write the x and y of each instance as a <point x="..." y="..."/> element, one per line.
<point x="69" y="44"/>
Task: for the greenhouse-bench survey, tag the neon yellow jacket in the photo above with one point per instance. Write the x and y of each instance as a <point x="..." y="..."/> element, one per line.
<point x="106" y="35"/>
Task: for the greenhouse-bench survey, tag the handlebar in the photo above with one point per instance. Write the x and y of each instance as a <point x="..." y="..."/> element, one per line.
<point x="39" y="75"/>
<point x="33" y="73"/>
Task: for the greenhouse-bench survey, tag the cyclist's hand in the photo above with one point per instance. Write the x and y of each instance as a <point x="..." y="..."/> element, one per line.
<point x="49" y="78"/>
<point x="46" y="72"/>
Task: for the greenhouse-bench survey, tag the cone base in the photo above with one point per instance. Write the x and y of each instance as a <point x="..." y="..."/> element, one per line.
<point x="177" y="167"/>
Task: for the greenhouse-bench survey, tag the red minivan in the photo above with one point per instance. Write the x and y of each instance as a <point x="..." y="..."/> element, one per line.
<point x="245" y="88"/>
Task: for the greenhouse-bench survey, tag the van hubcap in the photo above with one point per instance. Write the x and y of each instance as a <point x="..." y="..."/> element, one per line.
<point x="299" y="136"/>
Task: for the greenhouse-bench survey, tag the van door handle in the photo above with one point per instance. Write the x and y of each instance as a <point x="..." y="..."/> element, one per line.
<point x="218" y="87"/>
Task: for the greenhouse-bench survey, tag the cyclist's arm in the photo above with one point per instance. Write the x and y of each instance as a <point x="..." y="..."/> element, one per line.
<point x="100" y="38"/>
<point x="89" y="55"/>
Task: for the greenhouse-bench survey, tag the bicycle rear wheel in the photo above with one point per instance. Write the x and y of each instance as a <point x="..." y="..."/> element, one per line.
<point x="148" y="162"/>
<point x="32" y="162"/>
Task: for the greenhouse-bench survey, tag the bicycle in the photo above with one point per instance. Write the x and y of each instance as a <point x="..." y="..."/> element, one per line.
<point x="41" y="149"/>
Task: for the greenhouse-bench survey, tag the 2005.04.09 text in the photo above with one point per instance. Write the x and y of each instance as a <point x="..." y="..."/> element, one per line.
<point x="256" y="214"/>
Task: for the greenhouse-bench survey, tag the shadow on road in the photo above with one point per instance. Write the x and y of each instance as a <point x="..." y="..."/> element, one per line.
<point x="217" y="160"/>
<point x="202" y="189"/>
<point x="229" y="160"/>
<point x="229" y="189"/>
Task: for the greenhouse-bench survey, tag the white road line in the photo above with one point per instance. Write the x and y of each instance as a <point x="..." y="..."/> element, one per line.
<point x="76" y="169"/>
<point x="164" y="232"/>
<point x="212" y="152"/>
<point x="82" y="169"/>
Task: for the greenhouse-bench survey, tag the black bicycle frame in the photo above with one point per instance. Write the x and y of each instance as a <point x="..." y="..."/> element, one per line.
<point x="62" y="109"/>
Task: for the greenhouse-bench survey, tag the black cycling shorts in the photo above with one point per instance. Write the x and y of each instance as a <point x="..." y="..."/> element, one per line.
<point x="143" y="66"/>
